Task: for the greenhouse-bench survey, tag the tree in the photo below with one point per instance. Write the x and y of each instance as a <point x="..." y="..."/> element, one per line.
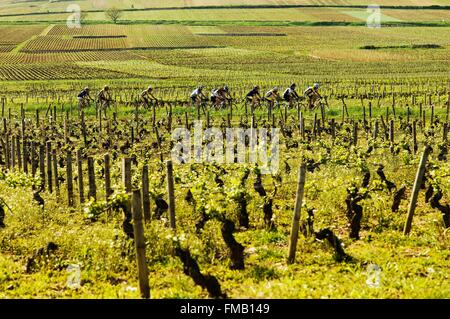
<point x="114" y="14"/>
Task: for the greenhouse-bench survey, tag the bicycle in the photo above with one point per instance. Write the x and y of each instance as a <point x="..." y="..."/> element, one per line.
<point x="84" y="103"/>
<point x="317" y="103"/>
<point x="200" y="103"/>
<point x="255" y="103"/>
<point x="271" y="105"/>
<point x="104" y="105"/>
<point x="222" y="103"/>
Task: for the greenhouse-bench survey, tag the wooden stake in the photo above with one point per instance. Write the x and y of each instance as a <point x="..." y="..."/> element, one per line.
<point x="69" y="180"/>
<point x="25" y="155"/>
<point x="296" y="218"/>
<point x="391" y="131"/>
<point x="145" y="193"/>
<point x="83" y="128"/>
<point x="158" y="141"/>
<point x="33" y="158"/>
<point x="432" y="114"/>
<point x="375" y="130"/>
<point x="315" y="125"/>
<point x="445" y="132"/>
<point x="333" y="129"/>
<point x="13" y="152"/>
<point x="424" y="122"/>
<point x="42" y="163"/>
<point x="19" y="153"/>
<point x="80" y="176"/>
<point x="139" y="241"/>
<point x="171" y="193"/>
<point x="66" y="131"/>
<point x="55" y="171"/>
<point x="91" y="179"/>
<point x="447" y="111"/>
<point x="416" y="189"/>
<point x="7" y="152"/>
<point x="49" y="167"/>
<point x="108" y="190"/>
<point x="126" y="174"/>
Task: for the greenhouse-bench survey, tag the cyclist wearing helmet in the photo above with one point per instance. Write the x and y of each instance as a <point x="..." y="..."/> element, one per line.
<point x="104" y="98"/>
<point x="220" y="96"/>
<point x="253" y="97"/>
<point x="290" y="94"/>
<point x="84" y="98"/>
<point x="272" y="96"/>
<point x="147" y="96"/>
<point x="197" y="95"/>
<point x="253" y="94"/>
<point x="213" y="96"/>
<point x="312" y="94"/>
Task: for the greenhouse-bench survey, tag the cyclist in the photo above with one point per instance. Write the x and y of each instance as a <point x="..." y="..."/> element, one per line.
<point x="213" y="97"/>
<point x="253" y="97"/>
<point x="197" y="95"/>
<point x="147" y="96"/>
<point x="272" y="96"/>
<point x="290" y="95"/>
<point x="220" y="96"/>
<point x="104" y="98"/>
<point x="312" y="94"/>
<point x="84" y="98"/>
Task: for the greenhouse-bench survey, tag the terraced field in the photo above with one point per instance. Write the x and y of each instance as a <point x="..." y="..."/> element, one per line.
<point x="37" y="58"/>
<point x="56" y="71"/>
<point x="57" y="44"/>
<point x="12" y="36"/>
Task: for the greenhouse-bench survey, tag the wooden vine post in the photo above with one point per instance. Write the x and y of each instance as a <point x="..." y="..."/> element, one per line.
<point x="445" y="132"/>
<point x="416" y="189"/>
<point x="91" y="179"/>
<point x="375" y="130"/>
<point x="355" y="134"/>
<point x="414" y="132"/>
<point x="126" y="174"/>
<point x="170" y="191"/>
<point x="296" y="218"/>
<point x="139" y="242"/>
<point x="145" y="193"/>
<point x="108" y="190"/>
<point x="42" y="163"/>
<point x="80" y="176"/>
<point x="69" y="180"/>
<point x="126" y="179"/>
<point x="19" y="153"/>
<point x="55" y="171"/>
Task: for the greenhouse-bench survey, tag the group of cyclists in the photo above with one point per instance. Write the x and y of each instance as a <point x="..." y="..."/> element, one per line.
<point x="104" y="98"/>
<point x="219" y="97"/>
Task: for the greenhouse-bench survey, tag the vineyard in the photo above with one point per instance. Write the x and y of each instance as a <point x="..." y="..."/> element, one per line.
<point x="358" y="161"/>
<point x="53" y="44"/>
<point x="104" y="203"/>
